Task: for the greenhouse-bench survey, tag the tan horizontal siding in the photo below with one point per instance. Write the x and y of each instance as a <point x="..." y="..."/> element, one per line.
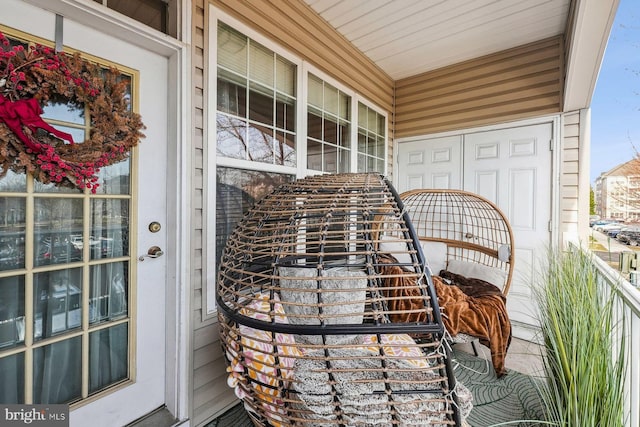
<point x="570" y="175"/>
<point x="296" y="27"/>
<point x="518" y="83"/>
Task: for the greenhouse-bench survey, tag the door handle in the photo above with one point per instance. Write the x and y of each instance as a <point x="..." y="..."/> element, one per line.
<point x="153" y="252"/>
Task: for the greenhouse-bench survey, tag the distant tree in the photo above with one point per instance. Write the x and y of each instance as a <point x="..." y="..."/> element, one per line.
<point x="592" y="202"/>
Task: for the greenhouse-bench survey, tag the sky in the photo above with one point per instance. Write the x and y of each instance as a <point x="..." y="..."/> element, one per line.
<point x="615" y="106"/>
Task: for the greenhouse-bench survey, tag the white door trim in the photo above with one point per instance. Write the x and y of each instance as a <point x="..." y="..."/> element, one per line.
<point x="556" y="157"/>
<point x="178" y="315"/>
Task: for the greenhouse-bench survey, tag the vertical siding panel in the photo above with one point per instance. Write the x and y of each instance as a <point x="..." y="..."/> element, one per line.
<point x="570" y="174"/>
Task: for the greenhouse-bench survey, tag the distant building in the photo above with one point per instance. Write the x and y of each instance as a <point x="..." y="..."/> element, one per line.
<point x="617" y="192"/>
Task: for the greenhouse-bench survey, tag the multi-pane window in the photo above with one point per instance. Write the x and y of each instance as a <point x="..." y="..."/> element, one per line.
<point x="371" y="140"/>
<point x="65" y="283"/>
<point x="256" y="134"/>
<point x="256" y="101"/>
<point x="328" y="127"/>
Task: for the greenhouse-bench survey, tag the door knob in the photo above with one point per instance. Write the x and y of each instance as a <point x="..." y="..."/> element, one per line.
<point x="153" y="252"/>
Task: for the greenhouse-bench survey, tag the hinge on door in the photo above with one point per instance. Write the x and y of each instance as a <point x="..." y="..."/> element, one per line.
<point x="549" y="226"/>
<point x="551" y="145"/>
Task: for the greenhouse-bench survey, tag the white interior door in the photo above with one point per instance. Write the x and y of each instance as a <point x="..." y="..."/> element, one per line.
<point x="430" y="163"/>
<point x="141" y="388"/>
<point x="512" y="168"/>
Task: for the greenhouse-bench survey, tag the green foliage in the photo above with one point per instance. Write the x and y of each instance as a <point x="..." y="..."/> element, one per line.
<point x="592" y="202"/>
<point x="585" y="372"/>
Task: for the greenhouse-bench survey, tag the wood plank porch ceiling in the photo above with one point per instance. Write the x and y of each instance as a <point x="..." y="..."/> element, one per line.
<point x="410" y="37"/>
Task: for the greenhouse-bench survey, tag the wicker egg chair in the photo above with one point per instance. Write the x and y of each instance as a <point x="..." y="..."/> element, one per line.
<point x="463" y="233"/>
<point x="307" y="303"/>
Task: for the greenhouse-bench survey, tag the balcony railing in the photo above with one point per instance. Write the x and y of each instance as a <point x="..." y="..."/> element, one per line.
<point x="628" y="314"/>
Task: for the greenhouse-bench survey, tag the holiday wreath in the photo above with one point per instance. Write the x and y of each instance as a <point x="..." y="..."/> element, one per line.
<point x="32" y="77"/>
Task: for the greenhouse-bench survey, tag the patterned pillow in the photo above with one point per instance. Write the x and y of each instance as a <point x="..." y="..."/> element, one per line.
<point x="254" y="357"/>
<point x="400" y="346"/>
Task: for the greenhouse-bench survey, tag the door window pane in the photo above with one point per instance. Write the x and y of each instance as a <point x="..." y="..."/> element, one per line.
<point x="12" y="379"/>
<point x="13" y="182"/>
<point x="57" y="372"/>
<point x="57" y="305"/>
<point x="12" y="229"/>
<point x="109" y="228"/>
<point x="58" y="229"/>
<point x="11" y="311"/>
<point x="108" y="356"/>
<point x="65" y="112"/>
<point x="108" y="292"/>
<point x="115" y="179"/>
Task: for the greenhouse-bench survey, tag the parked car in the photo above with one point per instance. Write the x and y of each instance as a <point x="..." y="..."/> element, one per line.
<point x="609" y="227"/>
<point x="599" y="225"/>
<point x="613" y="231"/>
<point x="629" y="235"/>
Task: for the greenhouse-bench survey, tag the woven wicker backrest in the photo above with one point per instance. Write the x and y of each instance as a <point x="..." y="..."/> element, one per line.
<point x="473" y="228"/>
<point x="309" y="310"/>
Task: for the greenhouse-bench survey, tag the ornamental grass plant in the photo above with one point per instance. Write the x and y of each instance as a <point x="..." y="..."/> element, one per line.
<point x="584" y="344"/>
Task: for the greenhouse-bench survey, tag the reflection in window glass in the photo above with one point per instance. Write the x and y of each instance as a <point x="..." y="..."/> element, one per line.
<point x="231" y="137"/>
<point x="57" y="372"/>
<point x="58" y="236"/>
<point x="12" y="232"/>
<point x="108" y="292"/>
<point x="13" y="182"/>
<point x="108" y="357"/>
<point x="64" y="112"/>
<point x="78" y="135"/>
<point x="57" y="304"/>
<point x="40" y="187"/>
<point x="11" y="312"/>
<point x="237" y="190"/>
<point x="261" y="144"/>
<point x="255" y="101"/>
<point x="109" y="228"/>
<point x="115" y="179"/>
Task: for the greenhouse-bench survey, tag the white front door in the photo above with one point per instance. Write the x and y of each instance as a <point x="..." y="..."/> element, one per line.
<point x="512" y="168"/>
<point x="107" y="359"/>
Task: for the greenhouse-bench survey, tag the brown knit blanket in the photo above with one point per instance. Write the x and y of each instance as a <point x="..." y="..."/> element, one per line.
<point x="483" y="314"/>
